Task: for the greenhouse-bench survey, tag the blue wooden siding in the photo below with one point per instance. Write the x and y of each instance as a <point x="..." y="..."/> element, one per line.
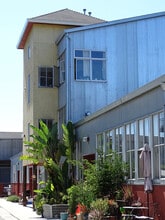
<point x="135" y="51"/>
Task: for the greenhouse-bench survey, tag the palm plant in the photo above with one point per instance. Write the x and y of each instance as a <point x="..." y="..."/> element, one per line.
<point x="46" y="149"/>
<point x="69" y="142"/>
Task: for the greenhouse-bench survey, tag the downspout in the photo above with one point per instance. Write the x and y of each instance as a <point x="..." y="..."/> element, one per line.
<point x="67" y="78"/>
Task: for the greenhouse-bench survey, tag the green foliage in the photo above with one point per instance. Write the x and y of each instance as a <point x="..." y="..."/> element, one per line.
<point x="46" y="148"/>
<point x="110" y="175"/>
<point x="79" y="193"/>
<point x="99" y="208"/>
<point x="103" y="178"/>
<point x="69" y="142"/>
<point x="13" y="198"/>
<point x="39" y="200"/>
<point x="47" y="192"/>
<point x="69" y="139"/>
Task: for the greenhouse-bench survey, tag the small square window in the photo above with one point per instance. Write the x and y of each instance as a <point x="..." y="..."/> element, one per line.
<point x="46" y="76"/>
<point x="90" y="65"/>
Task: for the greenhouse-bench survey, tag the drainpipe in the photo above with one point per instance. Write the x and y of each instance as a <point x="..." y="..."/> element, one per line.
<point x="67" y="78"/>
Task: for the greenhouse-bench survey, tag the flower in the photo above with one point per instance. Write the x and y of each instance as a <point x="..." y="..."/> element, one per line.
<point x="113" y="205"/>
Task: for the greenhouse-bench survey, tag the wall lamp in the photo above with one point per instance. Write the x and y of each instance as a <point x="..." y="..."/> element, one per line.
<point x="85" y="139"/>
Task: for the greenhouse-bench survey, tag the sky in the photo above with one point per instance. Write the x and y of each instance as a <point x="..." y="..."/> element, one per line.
<point x="13" y="16"/>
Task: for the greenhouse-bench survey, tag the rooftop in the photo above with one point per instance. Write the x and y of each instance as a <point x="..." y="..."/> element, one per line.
<point x="61" y="17"/>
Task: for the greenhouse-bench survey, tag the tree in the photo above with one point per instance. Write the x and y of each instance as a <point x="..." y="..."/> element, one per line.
<point x="46" y="149"/>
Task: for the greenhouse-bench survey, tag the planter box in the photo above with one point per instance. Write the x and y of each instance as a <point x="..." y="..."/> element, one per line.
<point x="53" y="211"/>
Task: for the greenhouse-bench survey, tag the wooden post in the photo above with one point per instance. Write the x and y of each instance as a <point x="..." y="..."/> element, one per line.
<point x="34" y="181"/>
<point x="24" y="185"/>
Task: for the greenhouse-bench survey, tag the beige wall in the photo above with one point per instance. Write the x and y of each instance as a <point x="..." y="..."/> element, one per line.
<point x="43" y="101"/>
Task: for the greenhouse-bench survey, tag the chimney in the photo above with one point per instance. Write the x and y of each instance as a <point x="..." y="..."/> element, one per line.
<point x="84" y="10"/>
<point x="89" y="13"/>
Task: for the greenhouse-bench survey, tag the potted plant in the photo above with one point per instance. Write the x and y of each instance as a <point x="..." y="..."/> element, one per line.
<point x="112" y="211"/>
<point x="47" y="149"/>
<point x="99" y="208"/>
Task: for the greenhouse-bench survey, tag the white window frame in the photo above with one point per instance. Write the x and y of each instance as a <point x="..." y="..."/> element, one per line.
<point x="45" y="81"/>
<point x="87" y="59"/>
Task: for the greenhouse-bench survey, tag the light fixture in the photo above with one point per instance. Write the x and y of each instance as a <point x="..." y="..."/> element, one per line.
<point x="87" y="113"/>
<point x="85" y="139"/>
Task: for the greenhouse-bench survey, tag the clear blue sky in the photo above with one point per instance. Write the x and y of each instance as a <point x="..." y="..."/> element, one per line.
<point x="12" y="20"/>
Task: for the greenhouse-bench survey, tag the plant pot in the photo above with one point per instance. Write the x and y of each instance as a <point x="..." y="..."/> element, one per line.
<point x="112" y="218"/>
<point x="53" y="211"/>
<point x="63" y="215"/>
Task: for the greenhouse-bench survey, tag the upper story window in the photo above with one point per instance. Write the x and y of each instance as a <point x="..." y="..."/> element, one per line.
<point x="48" y="122"/>
<point x="28" y="89"/>
<point x="89" y="65"/>
<point x="46" y="76"/>
<point x="29" y="52"/>
<point x="62" y="68"/>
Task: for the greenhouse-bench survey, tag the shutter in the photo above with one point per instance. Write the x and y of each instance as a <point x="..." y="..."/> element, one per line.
<point x="56" y="76"/>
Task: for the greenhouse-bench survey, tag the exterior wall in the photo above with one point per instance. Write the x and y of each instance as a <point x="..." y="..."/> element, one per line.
<point x="156" y="200"/>
<point x="10" y="144"/>
<point x="131" y="107"/>
<point x="43" y="101"/>
<point x="134" y="56"/>
<point x="16" y="174"/>
<point x="139" y="104"/>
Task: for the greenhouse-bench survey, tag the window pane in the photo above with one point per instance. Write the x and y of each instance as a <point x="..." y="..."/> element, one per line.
<point x="118" y="140"/>
<point x="127" y="137"/>
<point x="43" y="72"/>
<point x="161" y="127"/>
<point x="98" y="70"/>
<point x="42" y="81"/>
<point x="108" y="137"/>
<point x="83" y="69"/>
<point x="50" y="82"/>
<point x="28" y="87"/>
<point x="141" y="133"/>
<point x="132" y="136"/>
<point x="81" y="53"/>
<point x="162" y="148"/>
<point x="155" y="130"/>
<point x="146" y="127"/>
<point x="162" y="161"/>
<point x="130" y="158"/>
<point x="156" y="149"/>
<point x="98" y="54"/>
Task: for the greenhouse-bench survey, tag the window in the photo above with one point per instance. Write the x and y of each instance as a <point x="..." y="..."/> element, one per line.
<point x="130" y="148"/>
<point x="143" y="125"/>
<point x="48" y="122"/>
<point x="132" y="137"/>
<point x="159" y="146"/>
<point x="29" y="52"/>
<point x="100" y="144"/>
<point x="118" y="140"/>
<point x="90" y="65"/>
<point x="28" y="132"/>
<point x="108" y="141"/>
<point x="28" y="89"/>
<point x="46" y="76"/>
<point x="62" y="68"/>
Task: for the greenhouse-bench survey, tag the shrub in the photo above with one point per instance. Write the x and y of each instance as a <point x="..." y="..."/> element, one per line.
<point x="13" y="198"/>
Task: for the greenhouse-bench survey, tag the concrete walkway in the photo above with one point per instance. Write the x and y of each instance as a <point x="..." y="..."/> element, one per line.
<point x="16" y="211"/>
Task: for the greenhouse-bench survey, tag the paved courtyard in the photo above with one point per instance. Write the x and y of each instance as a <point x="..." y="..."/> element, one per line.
<point x="16" y="211"/>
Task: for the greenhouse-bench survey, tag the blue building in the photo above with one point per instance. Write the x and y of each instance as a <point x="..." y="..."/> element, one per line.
<point x="112" y="89"/>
